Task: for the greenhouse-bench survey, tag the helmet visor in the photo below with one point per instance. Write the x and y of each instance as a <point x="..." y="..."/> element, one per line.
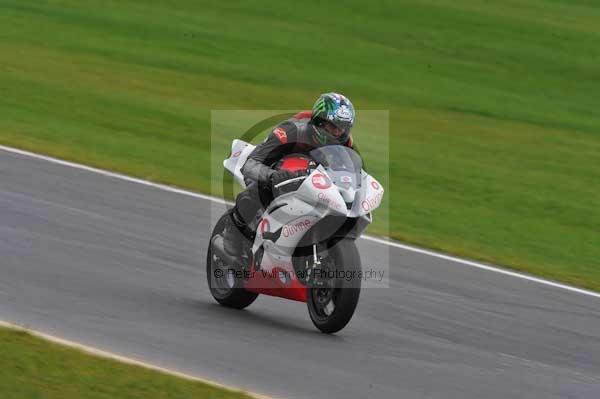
<point x="333" y="129"/>
<point x="335" y="132"/>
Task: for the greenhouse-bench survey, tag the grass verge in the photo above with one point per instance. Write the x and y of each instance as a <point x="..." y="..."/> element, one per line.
<point x="31" y="367"/>
<point x="493" y="107"/>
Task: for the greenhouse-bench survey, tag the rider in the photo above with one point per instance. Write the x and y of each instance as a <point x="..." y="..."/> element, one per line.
<point x="329" y="122"/>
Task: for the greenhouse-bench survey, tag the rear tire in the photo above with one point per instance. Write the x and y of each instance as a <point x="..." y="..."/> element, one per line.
<point x="332" y="310"/>
<point x="228" y="288"/>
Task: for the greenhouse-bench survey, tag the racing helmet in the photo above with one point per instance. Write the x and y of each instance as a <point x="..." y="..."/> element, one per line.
<point x="332" y="118"/>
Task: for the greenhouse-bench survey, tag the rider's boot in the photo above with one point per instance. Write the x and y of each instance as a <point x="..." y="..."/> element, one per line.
<point x="233" y="239"/>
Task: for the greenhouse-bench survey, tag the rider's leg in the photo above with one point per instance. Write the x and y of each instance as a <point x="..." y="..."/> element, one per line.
<point x="247" y="204"/>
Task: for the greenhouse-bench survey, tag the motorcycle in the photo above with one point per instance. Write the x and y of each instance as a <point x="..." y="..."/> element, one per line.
<point x="303" y="244"/>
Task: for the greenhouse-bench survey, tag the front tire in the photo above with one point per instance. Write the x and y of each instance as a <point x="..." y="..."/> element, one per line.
<point x="332" y="304"/>
<point x="225" y="287"/>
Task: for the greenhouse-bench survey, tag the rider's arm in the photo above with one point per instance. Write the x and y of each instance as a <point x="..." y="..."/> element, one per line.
<point x="278" y="143"/>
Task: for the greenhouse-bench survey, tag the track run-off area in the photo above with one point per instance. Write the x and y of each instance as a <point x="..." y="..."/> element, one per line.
<point x="99" y="259"/>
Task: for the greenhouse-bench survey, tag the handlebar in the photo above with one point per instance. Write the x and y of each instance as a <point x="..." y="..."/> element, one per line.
<point x="288" y="181"/>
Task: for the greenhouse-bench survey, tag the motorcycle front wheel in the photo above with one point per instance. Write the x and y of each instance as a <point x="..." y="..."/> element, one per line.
<point x="333" y="293"/>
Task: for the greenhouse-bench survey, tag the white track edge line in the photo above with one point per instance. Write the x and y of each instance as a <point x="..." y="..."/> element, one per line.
<point x="438" y="255"/>
<point x="112" y="356"/>
<point x="484" y="266"/>
<point x="115" y="175"/>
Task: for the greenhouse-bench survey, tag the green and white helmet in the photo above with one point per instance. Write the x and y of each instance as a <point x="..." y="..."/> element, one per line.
<point x="332" y="117"/>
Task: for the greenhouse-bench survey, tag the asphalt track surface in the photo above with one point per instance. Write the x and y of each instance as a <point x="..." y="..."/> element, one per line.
<point x="120" y="266"/>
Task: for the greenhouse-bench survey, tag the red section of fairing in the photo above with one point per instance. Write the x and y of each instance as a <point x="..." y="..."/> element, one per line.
<point x="268" y="283"/>
<point x="294" y="164"/>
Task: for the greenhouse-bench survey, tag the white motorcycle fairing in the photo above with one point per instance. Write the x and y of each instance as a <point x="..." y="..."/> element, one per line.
<point x="328" y="198"/>
<point x="239" y="154"/>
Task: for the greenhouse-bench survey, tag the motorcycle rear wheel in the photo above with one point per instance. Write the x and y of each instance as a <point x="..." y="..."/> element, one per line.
<point x="224" y="286"/>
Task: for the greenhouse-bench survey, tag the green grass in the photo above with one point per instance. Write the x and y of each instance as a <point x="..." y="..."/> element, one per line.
<point x="495" y="129"/>
<point x="34" y="368"/>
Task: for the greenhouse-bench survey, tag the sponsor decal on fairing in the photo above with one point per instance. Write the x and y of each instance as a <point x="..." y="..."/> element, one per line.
<point x="290" y="230"/>
<point x="371" y="202"/>
<point x="324" y="199"/>
<point x="321" y="181"/>
<point x="265" y="226"/>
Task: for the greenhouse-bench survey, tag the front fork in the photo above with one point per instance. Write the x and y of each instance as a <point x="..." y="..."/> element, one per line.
<point x="316" y="258"/>
<point x="317" y="276"/>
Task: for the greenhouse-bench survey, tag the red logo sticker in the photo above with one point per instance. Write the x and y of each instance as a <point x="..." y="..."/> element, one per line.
<point x="264" y="226"/>
<point x="236" y="154"/>
<point x="375" y="185"/>
<point x="281" y="135"/>
<point x="321" y="181"/>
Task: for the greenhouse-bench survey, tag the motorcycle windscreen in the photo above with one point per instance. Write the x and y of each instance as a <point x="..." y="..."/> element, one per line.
<point x="343" y="166"/>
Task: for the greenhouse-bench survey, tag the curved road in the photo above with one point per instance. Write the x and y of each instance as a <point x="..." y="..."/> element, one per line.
<point x="119" y="266"/>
